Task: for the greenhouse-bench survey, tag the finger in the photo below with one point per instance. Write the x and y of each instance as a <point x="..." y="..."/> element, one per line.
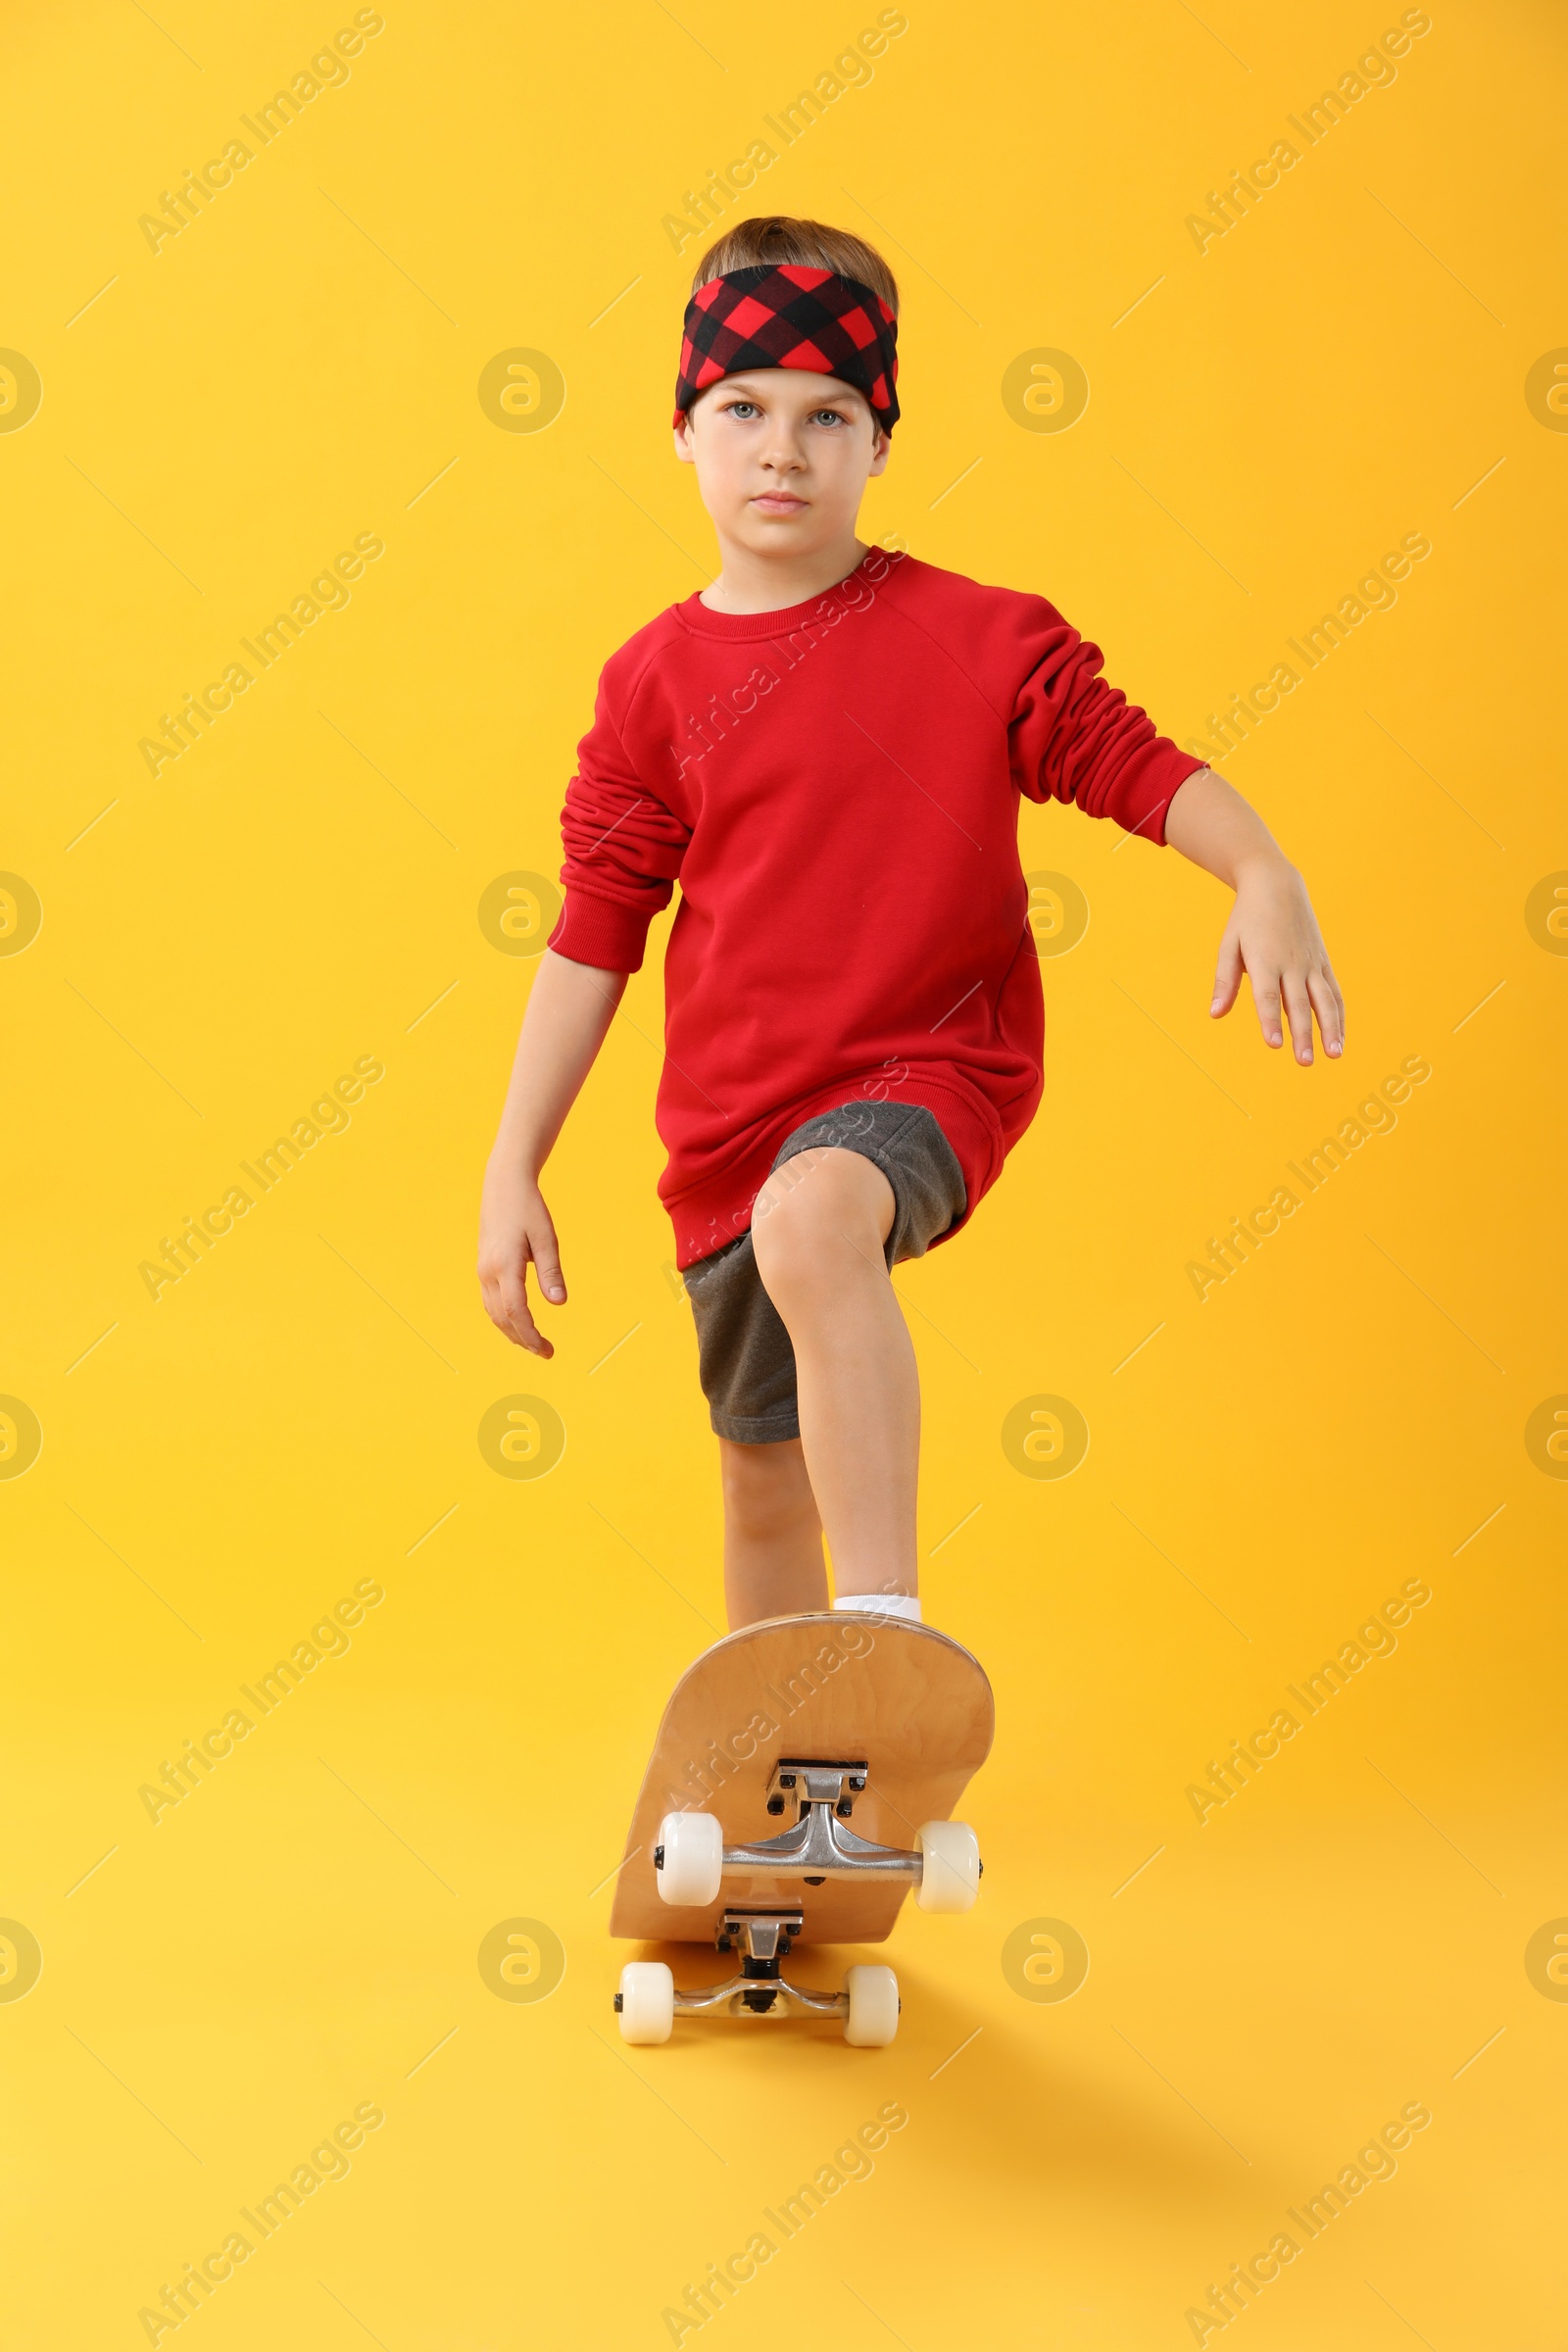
<point x="1226" y="975"/>
<point x="527" y="1335"/>
<point x="526" y="1330"/>
<point x="511" y="1315"/>
<point x="1266" y="998"/>
<point x="547" y="1260"/>
<point x="1329" y="1006"/>
<point x="1299" y="1011"/>
<point x="490" y="1290"/>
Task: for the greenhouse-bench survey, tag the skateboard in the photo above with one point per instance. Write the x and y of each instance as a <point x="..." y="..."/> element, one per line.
<point x="774" y="1740"/>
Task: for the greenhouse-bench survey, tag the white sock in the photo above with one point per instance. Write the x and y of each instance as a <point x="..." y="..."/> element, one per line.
<point x="882" y="1604"/>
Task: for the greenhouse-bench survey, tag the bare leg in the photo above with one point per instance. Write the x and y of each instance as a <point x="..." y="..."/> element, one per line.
<point x="819" y="1227"/>
<point x="773" y="1563"/>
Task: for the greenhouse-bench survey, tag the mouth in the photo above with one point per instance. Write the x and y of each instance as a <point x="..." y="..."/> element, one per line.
<point x="777" y="502"/>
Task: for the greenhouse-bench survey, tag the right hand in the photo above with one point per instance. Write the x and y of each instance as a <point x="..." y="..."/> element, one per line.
<point x="515" y="1226"/>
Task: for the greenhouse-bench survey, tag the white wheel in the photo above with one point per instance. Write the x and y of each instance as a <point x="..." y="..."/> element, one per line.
<point x="951" y="1878"/>
<point x="874" y="2016"/>
<point x="646" y="2002"/>
<point x="693" y="1867"/>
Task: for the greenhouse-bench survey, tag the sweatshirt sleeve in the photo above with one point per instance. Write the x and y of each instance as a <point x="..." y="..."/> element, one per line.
<point x="1075" y="738"/>
<point x="624" y="849"/>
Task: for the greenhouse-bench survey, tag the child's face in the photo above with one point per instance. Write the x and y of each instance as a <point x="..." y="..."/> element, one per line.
<point x="782" y="458"/>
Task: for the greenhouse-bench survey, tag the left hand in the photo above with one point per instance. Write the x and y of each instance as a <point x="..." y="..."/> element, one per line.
<point x="1273" y="937"/>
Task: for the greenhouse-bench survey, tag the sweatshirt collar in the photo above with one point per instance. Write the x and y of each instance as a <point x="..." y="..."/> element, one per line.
<point x="701" y="622"/>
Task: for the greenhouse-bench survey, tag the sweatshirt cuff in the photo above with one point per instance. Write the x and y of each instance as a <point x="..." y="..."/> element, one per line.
<point x="1145" y="795"/>
<point x="601" y="931"/>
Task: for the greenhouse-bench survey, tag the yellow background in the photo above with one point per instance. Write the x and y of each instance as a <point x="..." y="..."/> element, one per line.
<point x="300" y="1412"/>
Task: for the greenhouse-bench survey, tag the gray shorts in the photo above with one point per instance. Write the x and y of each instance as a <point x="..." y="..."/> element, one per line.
<point x="745" y="1361"/>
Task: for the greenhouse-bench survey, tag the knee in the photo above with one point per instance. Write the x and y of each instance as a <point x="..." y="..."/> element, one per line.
<point x="782" y="1238"/>
<point x="816" y="1219"/>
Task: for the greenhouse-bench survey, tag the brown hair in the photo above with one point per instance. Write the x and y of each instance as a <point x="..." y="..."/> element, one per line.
<point x="811" y="244"/>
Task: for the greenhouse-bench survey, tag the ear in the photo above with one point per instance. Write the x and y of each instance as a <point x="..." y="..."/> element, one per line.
<point x="881" y="451"/>
<point x="684" y="449"/>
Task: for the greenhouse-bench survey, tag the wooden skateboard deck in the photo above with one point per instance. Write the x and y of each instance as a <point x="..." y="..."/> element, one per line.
<point x="833" y="1686"/>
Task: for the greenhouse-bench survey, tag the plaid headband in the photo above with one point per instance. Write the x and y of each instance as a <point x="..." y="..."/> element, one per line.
<point x="787" y="316"/>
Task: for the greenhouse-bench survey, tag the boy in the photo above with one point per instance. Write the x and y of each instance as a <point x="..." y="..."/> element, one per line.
<point x="826" y="748"/>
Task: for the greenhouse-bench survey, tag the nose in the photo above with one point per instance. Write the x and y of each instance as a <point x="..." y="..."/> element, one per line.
<point x="783" y="452"/>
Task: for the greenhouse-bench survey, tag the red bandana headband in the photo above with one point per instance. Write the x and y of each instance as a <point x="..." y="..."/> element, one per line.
<point x="787" y="316"/>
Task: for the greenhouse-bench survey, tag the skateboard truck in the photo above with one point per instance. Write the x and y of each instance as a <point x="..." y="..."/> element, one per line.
<point x="692" y="1861"/>
<point x="764" y="1940"/>
<point x="815" y="1846"/>
<point x="650" y="2000"/>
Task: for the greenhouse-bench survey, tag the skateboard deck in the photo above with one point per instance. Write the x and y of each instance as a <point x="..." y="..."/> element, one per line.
<point x="910" y="1703"/>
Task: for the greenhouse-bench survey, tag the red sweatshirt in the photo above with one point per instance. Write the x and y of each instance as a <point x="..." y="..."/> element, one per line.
<point x="835" y="786"/>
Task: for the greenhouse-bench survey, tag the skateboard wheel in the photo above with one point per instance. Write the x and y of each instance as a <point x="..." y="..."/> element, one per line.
<point x="646" y="2002"/>
<point x="874" y="2016"/>
<point x="693" y="1847"/>
<point x="949" y="1880"/>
